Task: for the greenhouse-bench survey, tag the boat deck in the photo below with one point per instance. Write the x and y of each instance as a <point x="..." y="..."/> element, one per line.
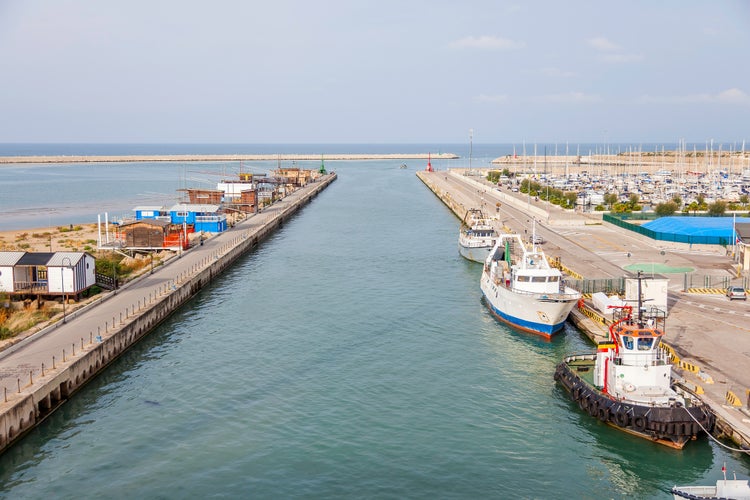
<point x="583" y="367"/>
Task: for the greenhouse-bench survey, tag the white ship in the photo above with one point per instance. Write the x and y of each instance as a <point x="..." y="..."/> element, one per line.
<point x="525" y="291"/>
<point x="477" y="236"/>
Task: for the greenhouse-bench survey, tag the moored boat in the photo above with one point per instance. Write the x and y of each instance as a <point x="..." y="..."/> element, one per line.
<point x="522" y="289"/>
<point x="627" y="383"/>
<point x="477" y="236"/>
<point x="737" y="489"/>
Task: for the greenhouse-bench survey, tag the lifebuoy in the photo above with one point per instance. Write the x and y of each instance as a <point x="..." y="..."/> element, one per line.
<point x="639" y="423"/>
<point x="622" y="418"/>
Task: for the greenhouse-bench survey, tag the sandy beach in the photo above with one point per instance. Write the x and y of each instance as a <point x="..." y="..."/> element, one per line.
<point x="81" y="238"/>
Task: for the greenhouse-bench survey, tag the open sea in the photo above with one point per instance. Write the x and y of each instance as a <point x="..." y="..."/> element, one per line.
<point x="348" y="356"/>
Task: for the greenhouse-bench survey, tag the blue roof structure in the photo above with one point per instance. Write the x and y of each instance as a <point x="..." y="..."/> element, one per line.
<point x="693" y="226"/>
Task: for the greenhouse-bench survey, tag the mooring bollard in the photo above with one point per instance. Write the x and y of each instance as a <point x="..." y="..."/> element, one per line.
<point x="91" y="337"/>
<point x="42" y="369"/>
<point x="82" y="343"/>
<point x="19" y="386"/>
<point x="53" y="362"/>
<point x="31" y="377"/>
<point x="74" y="348"/>
<point x="63" y="355"/>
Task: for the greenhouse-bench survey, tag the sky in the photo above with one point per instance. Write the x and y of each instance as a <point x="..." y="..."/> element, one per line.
<point x="380" y="71"/>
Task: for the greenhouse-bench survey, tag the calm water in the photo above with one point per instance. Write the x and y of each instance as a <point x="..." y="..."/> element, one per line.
<point x="349" y="356"/>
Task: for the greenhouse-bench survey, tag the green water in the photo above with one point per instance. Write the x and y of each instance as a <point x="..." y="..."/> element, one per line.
<point x="349" y="356"/>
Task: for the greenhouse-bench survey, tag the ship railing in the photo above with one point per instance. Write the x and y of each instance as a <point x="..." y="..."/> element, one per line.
<point x="650" y="359"/>
<point x="549" y="295"/>
<point x="580" y="356"/>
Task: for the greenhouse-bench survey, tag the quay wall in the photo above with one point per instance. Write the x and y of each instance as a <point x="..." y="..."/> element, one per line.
<point x="36" y="399"/>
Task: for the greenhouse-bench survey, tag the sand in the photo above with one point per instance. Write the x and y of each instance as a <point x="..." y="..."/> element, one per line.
<point x="82" y="238"/>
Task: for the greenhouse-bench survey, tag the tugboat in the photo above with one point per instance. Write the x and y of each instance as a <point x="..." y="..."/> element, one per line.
<point x="627" y="383"/>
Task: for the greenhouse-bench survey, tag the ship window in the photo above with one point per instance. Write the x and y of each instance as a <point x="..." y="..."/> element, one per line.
<point x="628" y="343"/>
<point x="524" y="279"/>
<point x="644" y="344"/>
<point x="538" y="279"/>
<point x="553" y="279"/>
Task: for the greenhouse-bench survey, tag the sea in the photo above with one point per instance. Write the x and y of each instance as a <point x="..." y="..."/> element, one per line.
<point x="350" y="355"/>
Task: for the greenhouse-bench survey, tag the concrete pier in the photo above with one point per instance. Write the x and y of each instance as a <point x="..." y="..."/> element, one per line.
<point x="237" y="157"/>
<point x="708" y="335"/>
<point x="40" y="373"/>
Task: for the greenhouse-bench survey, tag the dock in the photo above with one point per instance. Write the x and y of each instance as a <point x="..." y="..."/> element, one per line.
<point x="39" y="373"/>
<point x="223" y="158"/>
<point x="707" y="335"/>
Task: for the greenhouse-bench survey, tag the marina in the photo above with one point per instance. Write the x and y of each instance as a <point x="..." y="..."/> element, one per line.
<point x="263" y="376"/>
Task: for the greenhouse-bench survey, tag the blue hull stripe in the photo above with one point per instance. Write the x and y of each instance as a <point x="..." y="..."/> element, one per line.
<point x="544" y="329"/>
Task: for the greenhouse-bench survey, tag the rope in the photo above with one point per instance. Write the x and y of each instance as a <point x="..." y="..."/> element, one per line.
<point x="740" y="450"/>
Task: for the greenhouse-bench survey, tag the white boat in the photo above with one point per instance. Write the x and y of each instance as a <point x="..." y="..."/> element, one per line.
<point x="523" y="290"/>
<point x="477" y="236"/>
<point x="736" y="489"/>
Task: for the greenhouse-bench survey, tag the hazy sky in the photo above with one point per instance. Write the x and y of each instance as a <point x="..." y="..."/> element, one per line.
<point x="286" y="71"/>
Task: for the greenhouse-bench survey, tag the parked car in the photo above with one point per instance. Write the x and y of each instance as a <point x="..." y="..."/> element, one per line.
<point x="736" y="292"/>
<point x="536" y="239"/>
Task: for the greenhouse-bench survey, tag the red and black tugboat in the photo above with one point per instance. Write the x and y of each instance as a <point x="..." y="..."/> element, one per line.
<point x="627" y="383"/>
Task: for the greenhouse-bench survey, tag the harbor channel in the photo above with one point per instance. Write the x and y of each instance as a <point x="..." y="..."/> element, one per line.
<point x="40" y="373"/>
<point x="707" y="334"/>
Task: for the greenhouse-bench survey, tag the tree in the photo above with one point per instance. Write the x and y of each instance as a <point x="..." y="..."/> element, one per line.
<point x="610" y="199"/>
<point x="666" y="208"/>
<point x="570" y="199"/>
<point x="717" y="208"/>
<point x="744" y="199"/>
<point x="678" y="200"/>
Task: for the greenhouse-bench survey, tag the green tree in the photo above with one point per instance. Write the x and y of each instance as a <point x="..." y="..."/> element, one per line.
<point x="666" y="208"/>
<point x="678" y="200"/>
<point x="744" y="199"/>
<point x="570" y="199"/>
<point x="717" y="208"/>
<point x="610" y="199"/>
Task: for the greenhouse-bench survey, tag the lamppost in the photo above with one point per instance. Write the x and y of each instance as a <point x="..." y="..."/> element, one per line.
<point x="62" y="281"/>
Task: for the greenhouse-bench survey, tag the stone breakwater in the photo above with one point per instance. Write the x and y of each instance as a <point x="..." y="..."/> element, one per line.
<point x="204" y="158"/>
<point x="40" y="373"/>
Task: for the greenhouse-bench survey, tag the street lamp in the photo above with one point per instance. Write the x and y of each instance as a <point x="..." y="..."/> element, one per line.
<point x="62" y="281"/>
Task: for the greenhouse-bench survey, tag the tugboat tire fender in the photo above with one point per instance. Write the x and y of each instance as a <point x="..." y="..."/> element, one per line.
<point x="603" y="413"/>
<point x="593" y="406"/>
<point x="576" y="392"/>
<point x="640" y="423"/>
<point x="621" y="418"/>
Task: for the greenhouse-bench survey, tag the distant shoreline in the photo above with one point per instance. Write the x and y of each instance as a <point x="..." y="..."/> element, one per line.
<point x="223" y="157"/>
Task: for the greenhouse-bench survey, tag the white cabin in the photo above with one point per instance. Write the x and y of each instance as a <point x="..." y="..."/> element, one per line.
<point x="47" y="273"/>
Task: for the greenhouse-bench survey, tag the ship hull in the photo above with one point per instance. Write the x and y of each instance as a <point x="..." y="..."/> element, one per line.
<point x="672" y="426"/>
<point x="534" y="313"/>
<point x="475" y="253"/>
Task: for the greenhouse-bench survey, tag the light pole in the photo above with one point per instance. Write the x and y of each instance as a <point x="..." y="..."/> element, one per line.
<point x="62" y="281"/>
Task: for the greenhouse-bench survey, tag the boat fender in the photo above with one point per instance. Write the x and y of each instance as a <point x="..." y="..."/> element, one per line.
<point x="594" y="406"/>
<point x="603" y="413"/>
<point x="622" y="418"/>
<point x="575" y="392"/>
<point x="583" y="403"/>
<point x="640" y="423"/>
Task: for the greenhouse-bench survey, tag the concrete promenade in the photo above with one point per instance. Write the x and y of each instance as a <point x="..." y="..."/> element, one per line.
<point x="707" y="331"/>
<point x="223" y="157"/>
<point x="42" y="371"/>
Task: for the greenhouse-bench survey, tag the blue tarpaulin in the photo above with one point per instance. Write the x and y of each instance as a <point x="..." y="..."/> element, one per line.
<point x="693" y="226"/>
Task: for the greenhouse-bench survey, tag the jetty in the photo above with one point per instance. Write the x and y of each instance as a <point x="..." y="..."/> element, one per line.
<point x="707" y="335"/>
<point x="222" y="158"/>
<point x="39" y="373"/>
